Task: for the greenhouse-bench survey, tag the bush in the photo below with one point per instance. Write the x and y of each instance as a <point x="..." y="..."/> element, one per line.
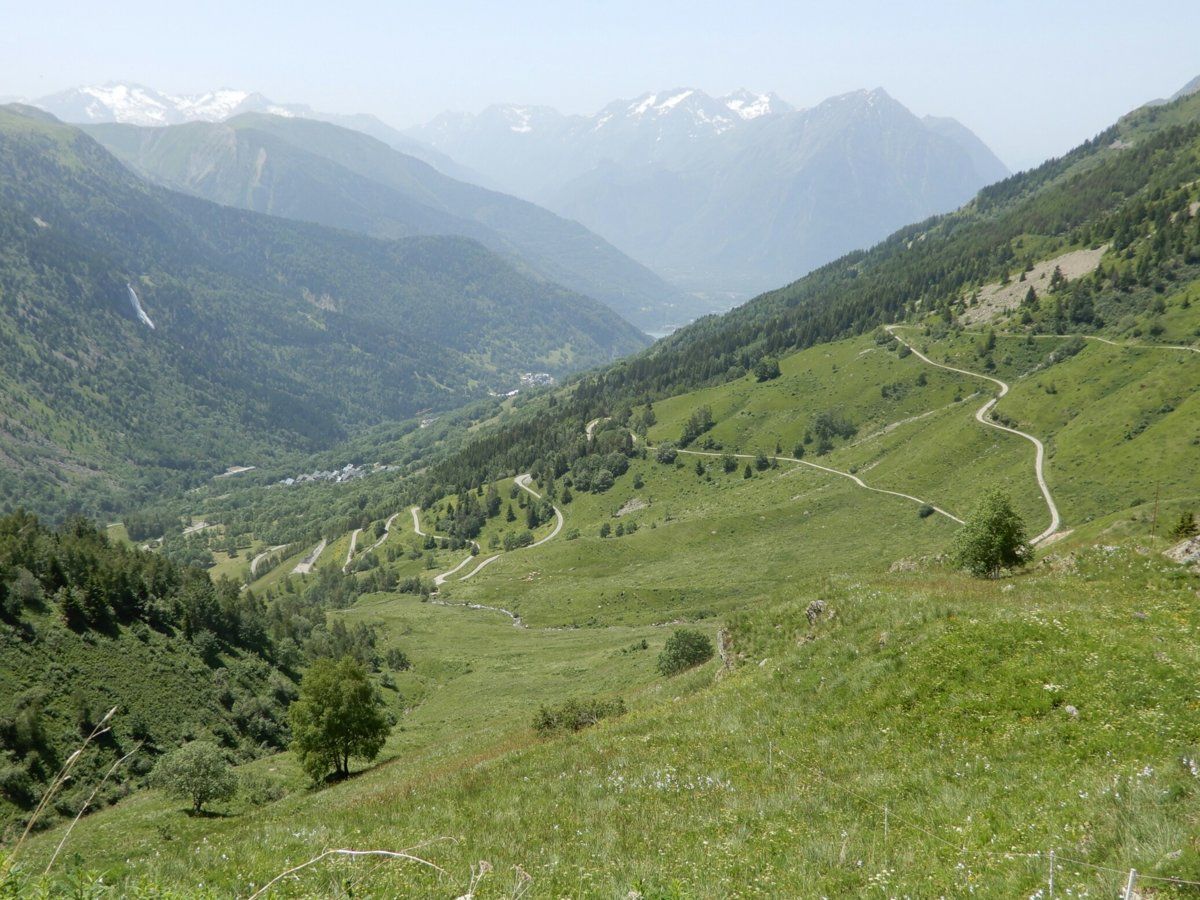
<point x="397" y="660"/>
<point x="260" y="789"/>
<point x="514" y="541"/>
<point x="575" y="715"/>
<point x="925" y="511"/>
<point x="685" y="649"/>
<point x="666" y="453"/>
<point x="766" y="369"/>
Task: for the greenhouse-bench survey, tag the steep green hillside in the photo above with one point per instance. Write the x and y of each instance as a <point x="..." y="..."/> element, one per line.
<point x="318" y="172"/>
<point x="262" y="336"/>
<point x="88" y="626"/>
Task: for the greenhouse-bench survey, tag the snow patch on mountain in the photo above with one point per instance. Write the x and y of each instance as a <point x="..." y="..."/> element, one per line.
<point x="748" y="105"/>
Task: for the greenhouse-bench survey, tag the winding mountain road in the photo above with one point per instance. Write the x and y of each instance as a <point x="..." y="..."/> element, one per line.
<point x="523" y="483"/>
<point x="350" y="550"/>
<point x="981" y="416"/>
<point x="850" y="475"/>
<point x="254" y="563"/>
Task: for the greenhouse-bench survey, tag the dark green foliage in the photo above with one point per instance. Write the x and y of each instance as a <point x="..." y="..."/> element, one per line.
<point x="684" y="649"/>
<point x="925" y="511"/>
<point x="176" y="654"/>
<point x="516" y="540"/>
<point x="666" y="452"/>
<point x="576" y="715"/>
<point x="993" y="538"/>
<point x="397" y="660"/>
<point x="1186" y="527"/>
<point x="766" y="369"/>
<point x="700" y="421"/>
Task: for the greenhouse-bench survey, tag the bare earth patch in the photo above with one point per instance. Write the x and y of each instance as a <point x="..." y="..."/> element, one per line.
<point x="632" y="506"/>
<point x="995" y="299"/>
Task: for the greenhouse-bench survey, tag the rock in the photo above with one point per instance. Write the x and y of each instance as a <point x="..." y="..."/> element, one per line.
<point x="1071" y="711"/>
<point x="815" y="610"/>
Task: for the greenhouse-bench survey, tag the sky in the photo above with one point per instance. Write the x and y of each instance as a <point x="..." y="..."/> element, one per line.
<point x="1031" y="78"/>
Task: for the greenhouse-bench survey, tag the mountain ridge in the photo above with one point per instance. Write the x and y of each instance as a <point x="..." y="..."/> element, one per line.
<point x="269" y="335"/>
<point x="691" y="184"/>
<point x="321" y="172"/>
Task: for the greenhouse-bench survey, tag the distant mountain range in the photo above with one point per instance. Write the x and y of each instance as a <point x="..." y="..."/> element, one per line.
<point x="150" y="338"/>
<point x="353" y="172"/>
<point x="135" y="104"/>
<point x="738" y="193"/>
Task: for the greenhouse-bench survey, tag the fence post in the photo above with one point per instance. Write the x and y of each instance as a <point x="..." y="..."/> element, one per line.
<point x="1129" y="884"/>
<point x="1051" y="875"/>
<point x="885" y="832"/>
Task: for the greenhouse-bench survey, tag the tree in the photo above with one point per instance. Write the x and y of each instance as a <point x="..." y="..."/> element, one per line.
<point x="728" y="463"/>
<point x="747" y="472"/>
<point x="1186" y="526"/>
<point x="684" y="649"/>
<point x="993" y="538"/>
<point x="197" y="772"/>
<point x="666" y="453"/>
<point x="509" y="515"/>
<point x="605" y="530"/>
<point x="766" y="369"/>
<point x="338" y="715"/>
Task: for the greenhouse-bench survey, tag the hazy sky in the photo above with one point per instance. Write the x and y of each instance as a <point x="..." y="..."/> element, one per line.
<point x="1031" y="78"/>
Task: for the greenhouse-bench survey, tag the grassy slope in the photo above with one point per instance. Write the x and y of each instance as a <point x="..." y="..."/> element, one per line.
<point x="941" y="696"/>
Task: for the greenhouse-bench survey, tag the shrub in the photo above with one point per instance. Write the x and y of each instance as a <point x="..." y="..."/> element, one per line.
<point x="925" y="511"/>
<point x="575" y="715"/>
<point x="514" y="541"/>
<point x="766" y="369"/>
<point x="666" y="453"/>
<point x="260" y="789"/>
<point x="397" y="660"/>
<point x="685" y="649"/>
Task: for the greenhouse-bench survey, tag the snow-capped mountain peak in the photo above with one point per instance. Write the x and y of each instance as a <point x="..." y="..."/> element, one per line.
<point x="749" y="105"/>
<point x="135" y="104"/>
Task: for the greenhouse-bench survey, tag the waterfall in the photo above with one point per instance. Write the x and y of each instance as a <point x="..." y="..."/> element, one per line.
<point x="137" y="307"/>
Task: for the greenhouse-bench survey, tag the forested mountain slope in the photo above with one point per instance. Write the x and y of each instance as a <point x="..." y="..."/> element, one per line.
<point x="259" y="335"/>
<point x="1131" y="190"/>
<point x="318" y="172"/>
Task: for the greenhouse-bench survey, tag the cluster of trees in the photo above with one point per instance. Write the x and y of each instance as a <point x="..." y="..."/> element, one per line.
<point x="700" y="421"/>
<point x="338" y="716"/>
<point x="97" y="602"/>
<point x="596" y="472"/>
